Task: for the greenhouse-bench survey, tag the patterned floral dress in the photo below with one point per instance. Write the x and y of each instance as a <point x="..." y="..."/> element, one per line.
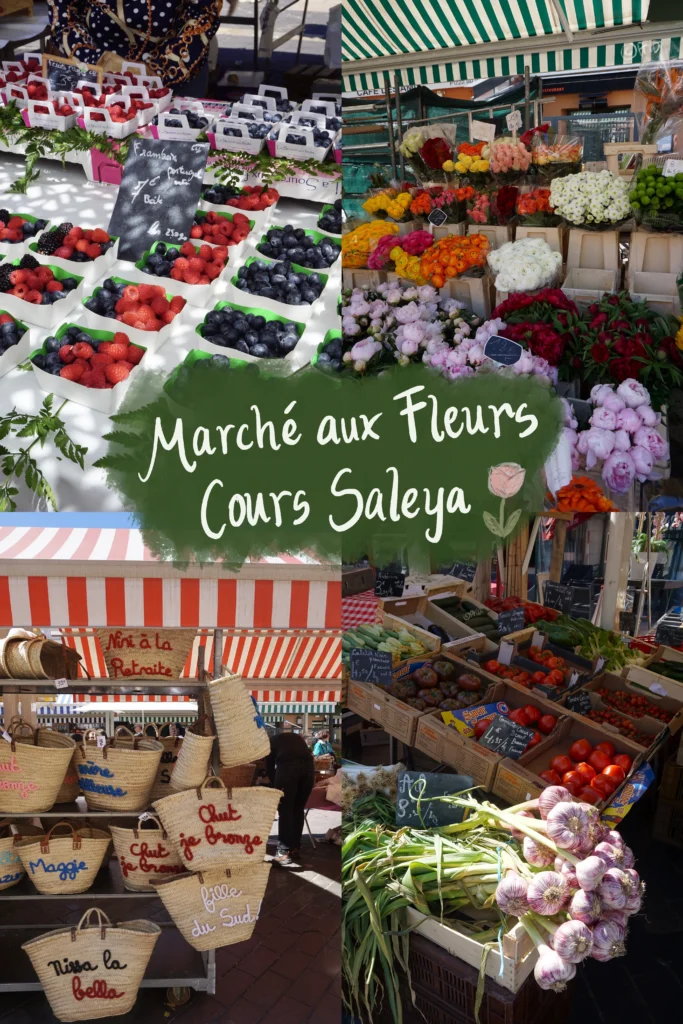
<point x="170" y="36"/>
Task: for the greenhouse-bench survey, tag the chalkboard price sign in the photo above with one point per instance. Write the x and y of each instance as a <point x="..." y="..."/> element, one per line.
<point x="64" y="75"/>
<point x="368" y="666"/>
<point x="158" y="195"/>
<point x="463" y="571"/>
<point x="579" y="701"/>
<point x="510" y="621"/>
<point x="503" y="350"/>
<point x="670" y="634"/>
<point x="437" y="218"/>
<point x="431" y="813"/>
<point x="506" y="738"/>
<point x="389" y="584"/>
<point x="557" y="595"/>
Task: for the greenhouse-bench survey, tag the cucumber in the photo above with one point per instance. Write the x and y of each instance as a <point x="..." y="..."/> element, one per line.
<point x="469" y="606"/>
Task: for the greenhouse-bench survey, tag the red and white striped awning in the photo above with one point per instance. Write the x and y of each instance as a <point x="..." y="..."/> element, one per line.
<point x="261" y="696"/>
<point x="83" y="576"/>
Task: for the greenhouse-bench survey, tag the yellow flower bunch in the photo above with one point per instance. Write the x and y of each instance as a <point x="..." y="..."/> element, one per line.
<point x="407" y="266"/>
<point x="679" y="336"/>
<point x="358" y="243"/>
<point x="470" y="164"/>
<point x="398" y="206"/>
<point x="373" y="204"/>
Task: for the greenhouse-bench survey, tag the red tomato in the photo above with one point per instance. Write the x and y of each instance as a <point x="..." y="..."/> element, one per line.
<point x="580" y="750"/>
<point x="547" y="723"/>
<point x="589" y="795"/>
<point x="492" y="666"/>
<point x="481" y="727"/>
<point x="538" y="677"/>
<point x="519" y="716"/>
<point x="608" y="748"/>
<point x="573" y="782"/>
<point x="536" y="738"/>
<point x="561" y="764"/>
<point x="532" y="713"/>
<point x="586" y="771"/>
<point x="598" y="759"/>
<point x="551" y="777"/>
<point x="555" y="677"/>
<point x="624" y="761"/>
<point x="603" y="785"/>
<point x="615" y="772"/>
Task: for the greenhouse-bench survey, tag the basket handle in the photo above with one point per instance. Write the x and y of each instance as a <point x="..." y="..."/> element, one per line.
<point x="203" y="726"/>
<point x="45" y="840"/>
<point x="208" y="784"/>
<point x="17" y="723"/>
<point x="148" y="816"/>
<point x="200" y="874"/>
<point x="102" y="920"/>
<point x="121" y="728"/>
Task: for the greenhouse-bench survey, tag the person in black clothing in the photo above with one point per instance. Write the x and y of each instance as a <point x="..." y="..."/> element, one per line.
<point x="290" y="768"/>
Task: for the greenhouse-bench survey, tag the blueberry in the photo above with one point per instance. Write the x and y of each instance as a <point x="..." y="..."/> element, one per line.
<point x="110" y="284"/>
<point x="69" y="283"/>
<point x="92" y="304"/>
<point x="39" y="360"/>
<point x="221" y="361"/>
<point x="289" y="342"/>
<point x="260" y="350"/>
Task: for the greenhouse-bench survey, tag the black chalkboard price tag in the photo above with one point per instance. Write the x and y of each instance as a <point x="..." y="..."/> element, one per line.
<point x="64" y="75"/>
<point x="437" y="218"/>
<point x="670" y="634"/>
<point x="430" y="813"/>
<point x="463" y="571"/>
<point x="510" y="621"/>
<point x="368" y="666"/>
<point x="503" y="350"/>
<point x="579" y="701"/>
<point x="158" y="195"/>
<point x="558" y="596"/>
<point x="389" y="584"/>
<point x="506" y="738"/>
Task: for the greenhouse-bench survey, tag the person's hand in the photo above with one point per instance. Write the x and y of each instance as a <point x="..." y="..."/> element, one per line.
<point x="111" y="62"/>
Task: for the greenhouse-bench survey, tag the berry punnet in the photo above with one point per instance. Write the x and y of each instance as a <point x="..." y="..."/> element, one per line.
<point x="295" y="245"/>
<point x="250" y="333"/>
<point x="250" y="197"/>
<point x="255" y="129"/>
<point x="331" y="220"/>
<point x="15" y="228"/>
<point x="81" y="245"/>
<point x="217" y="230"/>
<point x="194" y="120"/>
<point x="34" y="283"/>
<point x="279" y="281"/>
<point x="11" y="332"/>
<point x="143" y="306"/>
<point x="187" y="264"/>
<point x="79" y="357"/>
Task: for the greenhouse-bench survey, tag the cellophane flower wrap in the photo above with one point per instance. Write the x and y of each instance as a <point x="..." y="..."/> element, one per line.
<point x="656" y="200"/>
<point x="534" y="209"/>
<point x="472" y="163"/>
<point x="594" y="200"/>
<point x="557" y="157"/>
<point x="358" y="244"/>
<point x="662" y="87"/>
<point x="493" y="206"/>
<point x="509" y="161"/>
<point x="453" y="202"/>
<point x="524" y="266"/>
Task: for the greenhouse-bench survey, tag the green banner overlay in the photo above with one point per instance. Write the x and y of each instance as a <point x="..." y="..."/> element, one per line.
<point x="229" y="463"/>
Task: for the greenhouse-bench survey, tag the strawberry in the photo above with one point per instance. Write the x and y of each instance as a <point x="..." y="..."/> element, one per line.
<point x="65" y="354"/>
<point x="77" y="233"/>
<point x="118" y="350"/>
<point x="116" y="373"/>
<point x="74" y="372"/>
<point x="93" y="251"/>
<point x="135" y="354"/>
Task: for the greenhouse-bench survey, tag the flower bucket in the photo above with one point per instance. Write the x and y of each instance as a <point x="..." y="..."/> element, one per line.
<point x="192" y="764"/>
<point x="212" y="826"/>
<point x="242" y="733"/>
<point x="216" y="908"/>
<point x="120" y="775"/>
<point x="145" y="854"/>
<point x="116" y="956"/>
<point x="64" y="864"/>
<point x="33" y="764"/>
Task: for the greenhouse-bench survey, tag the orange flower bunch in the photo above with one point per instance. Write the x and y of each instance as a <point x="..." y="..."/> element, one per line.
<point x="422" y="203"/>
<point x="582" y="495"/>
<point x="463" y="194"/>
<point x="452" y="256"/>
<point x="536" y="201"/>
<point x="471" y="148"/>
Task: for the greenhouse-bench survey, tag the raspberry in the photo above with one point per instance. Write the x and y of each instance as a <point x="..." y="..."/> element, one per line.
<point x="82" y="350"/>
<point x="116" y="373"/>
<point x="94" y="378"/>
<point x="177" y="303"/>
<point x="100" y="235"/>
<point x="196" y="231"/>
<point x="119" y="339"/>
<point x="125" y="305"/>
<point x="213" y="270"/>
<point x="5" y="318"/>
<point x="182" y="263"/>
<point x="129" y="317"/>
<point x="93" y="251"/>
<point x="168" y="316"/>
<point x="221" y="239"/>
<point x="82" y="245"/>
<point x="135" y="354"/>
<point x="65" y="354"/>
<point x="131" y="292"/>
<point x="177" y="274"/>
<point x="124" y="362"/>
<point x="191" y="277"/>
<point x="160" y="304"/>
<point x="77" y="233"/>
<point x="101" y="359"/>
<point x="44" y="273"/>
<point x="203" y="279"/>
<point x="18" y="276"/>
<point x="146" y="315"/>
<point x="118" y="351"/>
<point x="53" y="286"/>
<point x="20" y="290"/>
<point x="146" y="292"/>
<point x="74" y="372"/>
<point x="64" y="252"/>
<point x="32" y="282"/>
<point x="83" y="363"/>
<point x="187" y="249"/>
<point x="197" y="265"/>
<point x="34" y="296"/>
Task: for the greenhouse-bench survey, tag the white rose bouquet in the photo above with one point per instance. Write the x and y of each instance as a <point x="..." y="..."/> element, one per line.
<point x="595" y="200"/>
<point x="524" y="266"/>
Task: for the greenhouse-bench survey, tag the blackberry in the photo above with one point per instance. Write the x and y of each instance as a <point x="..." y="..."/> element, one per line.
<point x="28" y="262"/>
<point x="4" y="215"/>
<point x="64" y="228"/>
<point x="50" y="242"/>
<point x="5" y="283"/>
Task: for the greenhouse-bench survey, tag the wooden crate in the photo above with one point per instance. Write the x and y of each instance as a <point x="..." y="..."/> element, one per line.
<point x="659" y="291"/>
<point x="593" y="250"/>
<point x="555" y="237"/>
<point x="14" y="6"/>
<point x="475" y="292"/>
<point x="496" y="234"/>
<point x="585" y="286"/>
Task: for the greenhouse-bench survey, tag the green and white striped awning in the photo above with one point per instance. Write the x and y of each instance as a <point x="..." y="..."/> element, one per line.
<point x="297" y="709"/>
<point x="434" y="42"/>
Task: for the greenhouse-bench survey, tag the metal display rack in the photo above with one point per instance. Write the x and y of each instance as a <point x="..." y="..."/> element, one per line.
<point x="173" y="965"/>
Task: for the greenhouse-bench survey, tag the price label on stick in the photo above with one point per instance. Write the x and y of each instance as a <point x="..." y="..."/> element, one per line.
<point x="506" y="738"/>
<point x="437" y="218"/>
<point x="505" y="652"/>
<point x="672" y="167"/>
<point x="101" y="741"/>
<point x="580" y="702"/>
<point x="389" y="584"/>
<point x="60" y="683"/>
<point x="514" y="120"/>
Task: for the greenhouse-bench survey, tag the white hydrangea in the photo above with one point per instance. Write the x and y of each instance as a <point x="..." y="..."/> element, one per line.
<point x="590" y="198"/>
<point x="524" y="266"/>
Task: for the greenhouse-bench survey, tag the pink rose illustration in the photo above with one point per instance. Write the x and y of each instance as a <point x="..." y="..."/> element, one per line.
<point x="505" y="480"/>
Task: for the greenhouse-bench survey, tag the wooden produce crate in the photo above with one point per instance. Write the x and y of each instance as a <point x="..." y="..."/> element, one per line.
<point x="365" y="700"/>
<point x="585" y="286"/>
<point x="476" y="292"/>
<point x="625" y="158"/>
<point x="497" y="235"/>
<point x="648" y="724"/>
<point x="647" y="677"/>
<point x="356" y="581"/>
<point x="424" y="612"/>
<point x="659" y="291"/>
<point x="593" y="250"/>
<point x="555" y="237"/>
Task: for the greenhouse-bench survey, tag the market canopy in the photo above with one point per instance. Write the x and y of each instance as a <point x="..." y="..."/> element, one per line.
<point x="435" y="42"/>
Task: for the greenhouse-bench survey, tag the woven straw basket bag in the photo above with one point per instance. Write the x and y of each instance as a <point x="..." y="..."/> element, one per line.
<point x="32" y="767"/>
<point x="216" y="908"/>
<point x="153" y="653"/>
<point x="145" y="854"/>
<point x="192" y="765"/>
<point x="71" y="787"/>
<point x="242" y="733"/>
<point x="212" y="826"/>
<point x="238" y="775"/>
<point x="64" y="864"/>
<point x="11" y="868"/>
<point x="172" y="746"/>
<point x="120" y="775"/>
<point x="28" y="655"/>
<point x="113" y="959"/>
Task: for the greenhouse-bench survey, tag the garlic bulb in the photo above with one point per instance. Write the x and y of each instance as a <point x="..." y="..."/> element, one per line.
<point x="550" y="796"/>
<point x="589" y="872"/>
<point x="537" y="854"/>
<point x="547" y="893"/>
<point x="573" y="940"/>
<point x="614" y="889"/>
<point x="551" y="971"/>
<point x="511" y="895"/>
<point x="566" y="825"/>
<point x="586" y="907"/>
<point x="608" y="940"/>
<point x="568" y="871"/>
